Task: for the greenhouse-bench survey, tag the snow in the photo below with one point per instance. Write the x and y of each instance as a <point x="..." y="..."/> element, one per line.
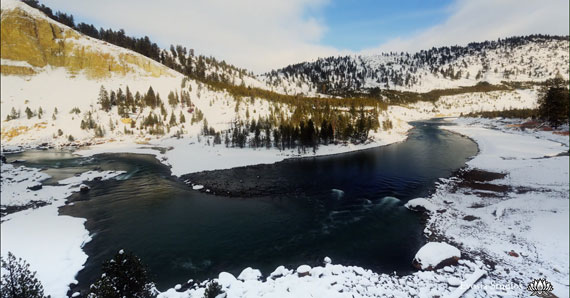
<point x="90" y="176"/>
<point x="433" y="253"/>
<point x="535" y="224"/>
<point x="418" y="203"/>
<point x="534" y="61"/>
<point x="340" y="281"/>
<point x="226" y="279"/>
<point x="531" y="219"/>
<point x="49" y="242"/>
<point x="466" y="286"/>
<point x="249" y="274"/>
<point x="303" y="269"/>
<point x="280" y="271"/>
<point x="187" y="155"/>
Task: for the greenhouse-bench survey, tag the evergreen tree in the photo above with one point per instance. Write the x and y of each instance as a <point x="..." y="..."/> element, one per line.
<point x="13" y="115"/>
<point x="17" y="279"/>
<point x="150" y="98"/>
<point x="123" y="276"/>
<point x="104" y="100"/>
<point x="554" y="102"/>
<point x="205" y="128"/>
<point x="172" y="100"/>
<point x="29" y="113"/>
<point x="112" y="99"/>
<point x="213" y="290"/>
<point x="172" y="121"/>
<point x="129" y="100"/>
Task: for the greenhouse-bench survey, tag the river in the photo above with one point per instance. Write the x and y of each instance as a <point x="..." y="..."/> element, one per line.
<point x="347" y="206"/>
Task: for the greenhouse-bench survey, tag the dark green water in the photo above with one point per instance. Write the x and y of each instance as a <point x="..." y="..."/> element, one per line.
<point x="181" y="234"/>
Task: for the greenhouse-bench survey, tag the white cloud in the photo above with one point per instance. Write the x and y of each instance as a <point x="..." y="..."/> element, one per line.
<point x="479" y="20"/>
<point x="255" y="34"/>
<point x="264" y="34"/>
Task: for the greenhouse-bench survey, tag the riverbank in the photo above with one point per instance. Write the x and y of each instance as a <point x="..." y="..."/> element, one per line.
<point x="481" y="222"/>
<point x="516" y="221"/>
<point x="196" y="154"/>
<point x="507" y="211"/>
<point x="49" y="242"/>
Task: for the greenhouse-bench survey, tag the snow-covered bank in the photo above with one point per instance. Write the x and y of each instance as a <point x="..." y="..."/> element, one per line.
<point x="515" y="236"/>
<point x="333" y="280"/>
<point x="51" y="243"/>
<point x="519" y="222"/>
<point x="188" y="155"/>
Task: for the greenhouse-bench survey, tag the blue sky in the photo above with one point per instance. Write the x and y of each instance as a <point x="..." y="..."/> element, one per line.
<point x="356" y="25"/>
<point x="261" y="35"/>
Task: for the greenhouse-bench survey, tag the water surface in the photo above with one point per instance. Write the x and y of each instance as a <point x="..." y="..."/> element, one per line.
<point x="348" y="207"/>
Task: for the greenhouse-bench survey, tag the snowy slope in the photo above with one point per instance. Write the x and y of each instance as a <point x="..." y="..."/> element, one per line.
<point x="51" y="85"/>
<point x="530" y="58"/>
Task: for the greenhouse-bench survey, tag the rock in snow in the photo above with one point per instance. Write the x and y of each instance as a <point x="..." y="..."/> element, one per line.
<point x="249" y="274"/>
<point x="420" y="204"/>
<point x="435" y="255"/>
<point x="303" y="270"/>
<point x="280" y="272"/>
<point x="84" y="188"/>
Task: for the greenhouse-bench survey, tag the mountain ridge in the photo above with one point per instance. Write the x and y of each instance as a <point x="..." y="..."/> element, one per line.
<point x="526" y="58"/>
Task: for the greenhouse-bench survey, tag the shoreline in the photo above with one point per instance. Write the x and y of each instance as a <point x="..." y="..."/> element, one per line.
<point x="467" y="267"/>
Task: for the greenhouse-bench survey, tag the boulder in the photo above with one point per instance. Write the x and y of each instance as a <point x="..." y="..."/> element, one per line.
<point x="226" y="279"/>
<point x="303" y="270"/>
<point x="84" y="188"/>
<point x="421" y="205"/>
<point x="436" y="255"/>
<point x="37" y="186"/>
<point x="249" y="274"/>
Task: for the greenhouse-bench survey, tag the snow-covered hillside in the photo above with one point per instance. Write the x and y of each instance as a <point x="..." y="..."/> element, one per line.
<point x="60" y="93"/>
<point x="530" y="58"/>
<point x="58" y="101"/>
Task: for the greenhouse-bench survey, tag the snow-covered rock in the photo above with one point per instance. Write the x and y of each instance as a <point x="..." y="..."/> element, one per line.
<point x="303" y="270"/>
<point x="249" y="274"/>
<point x="226" y="279"/>
<point x="84" y="188"/>
<point x="434" y="255"/>
<point x="280" y="272"/>
<point x="420" y="204"/>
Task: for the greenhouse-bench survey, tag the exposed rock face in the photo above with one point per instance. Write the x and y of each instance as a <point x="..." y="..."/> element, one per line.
<point x="30" y="41"/>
